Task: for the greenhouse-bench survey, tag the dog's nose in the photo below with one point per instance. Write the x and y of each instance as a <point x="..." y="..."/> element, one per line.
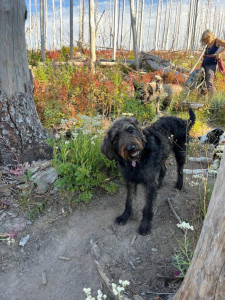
<point x="199" y="137"/>
<point x="131" y="147"/>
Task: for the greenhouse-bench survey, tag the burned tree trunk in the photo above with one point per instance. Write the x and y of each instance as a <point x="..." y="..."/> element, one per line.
<point x="205" y="278"/>
<point x="22" y="137"/>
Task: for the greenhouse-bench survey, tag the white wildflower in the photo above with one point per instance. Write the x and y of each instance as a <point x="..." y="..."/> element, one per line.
<point x="100" y="295"/>
<point x="120" y="288"/>
<point x="10" y="241"/>
<point x="194" y="183"/>
<point x="74" y="134"/>
<point x="114" y="287"/>
<point x="64" y="121"/>
<point x="57" y="136"/>
<point x="127" y="114"/>
<point x="87" y="291"/>
<point x="100" y="131"/>
<point x="125" y="282"/>
<point x="185" y="225"/>
<point x="92" y="142"/>
<point x="67" y="142"/>
<point x="94" y="137"/>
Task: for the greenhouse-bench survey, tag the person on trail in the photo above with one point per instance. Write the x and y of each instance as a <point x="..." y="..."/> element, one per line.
<point x="212" y="58"/>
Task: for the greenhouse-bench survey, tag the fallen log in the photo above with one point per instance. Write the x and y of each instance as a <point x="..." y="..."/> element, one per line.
<point x="82" y="63"/>
<point x="156" y="63"/>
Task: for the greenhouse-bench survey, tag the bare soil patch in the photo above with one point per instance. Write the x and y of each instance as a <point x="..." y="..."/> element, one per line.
<point x="56" y="262"/>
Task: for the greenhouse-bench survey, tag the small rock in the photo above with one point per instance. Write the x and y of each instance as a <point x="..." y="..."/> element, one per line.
<point x="24" y="240"/>
<point x="154" y="249"/>
<point x="132" y="265"/>
<point x="3" y="216"/>
<point x="29" y="222"/>
<point x="45" y="178"/>
<point x="12" y="214"/>
<point x="133" y="239"/>
<point x="95" y="250"/>
<point x="64" y="258"/>
<point x="44" y="278"/>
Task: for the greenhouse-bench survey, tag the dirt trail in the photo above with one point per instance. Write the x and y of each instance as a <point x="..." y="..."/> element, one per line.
<point x="144" y="261"/>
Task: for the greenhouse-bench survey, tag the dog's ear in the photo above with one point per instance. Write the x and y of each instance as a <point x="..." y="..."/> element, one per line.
<point x="158" y="79"/>
<point x="137" y="86"/>
<point x="219" y="131"/>
<point x="150" y="89"/>
<point x="106" y="148"/>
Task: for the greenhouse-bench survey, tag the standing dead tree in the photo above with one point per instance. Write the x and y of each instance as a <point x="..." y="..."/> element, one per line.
<point x="61" y="25"/>
<point x="53" y="28"/>
<point x="205" y="278"/>
<point x="92" y="35"/>
<point x="22" y="137"/>
<point x="36" y="26"/>
<point x="42" y="28"/>
<point x="71" y="29"/>
<point x="134" y="31"/>
<point x="115" y="29"/>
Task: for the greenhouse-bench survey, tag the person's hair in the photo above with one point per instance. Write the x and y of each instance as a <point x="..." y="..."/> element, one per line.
<point x="207" y="36"/>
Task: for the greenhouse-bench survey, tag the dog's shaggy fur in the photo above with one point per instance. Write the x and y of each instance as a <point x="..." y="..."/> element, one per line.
<point x="141" y="155"/>
<point x="156" y="90"/>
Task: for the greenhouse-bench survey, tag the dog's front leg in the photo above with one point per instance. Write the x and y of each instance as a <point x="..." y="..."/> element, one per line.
<point x="131" y="192"/>
<point x="151" y="193"/>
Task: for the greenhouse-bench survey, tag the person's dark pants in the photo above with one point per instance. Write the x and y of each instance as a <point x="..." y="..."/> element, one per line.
<point x="210" y="72"/>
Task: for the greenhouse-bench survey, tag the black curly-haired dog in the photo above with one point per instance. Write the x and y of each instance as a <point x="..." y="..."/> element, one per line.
<point x="141" y="154"/>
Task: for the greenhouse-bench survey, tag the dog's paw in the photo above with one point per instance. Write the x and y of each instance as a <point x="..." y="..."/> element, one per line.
<point x="179" y="186"/>
<point x="121" y="220"/>
<point x="144" y="228"/>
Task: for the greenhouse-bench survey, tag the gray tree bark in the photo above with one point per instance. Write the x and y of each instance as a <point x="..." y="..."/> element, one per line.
<point x="71" y="29"/>
<point x="134" y="31"/>
<point x="205" y="278"/>
<point x="42" y="28"/>
<point x="92" y="35"/>
<point x="53" y="28"/>
<point x="22" y="137"/>
<point x="115" y="28"/>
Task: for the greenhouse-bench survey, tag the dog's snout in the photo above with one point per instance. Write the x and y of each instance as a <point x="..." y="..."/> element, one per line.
<point x="131" y="147"/>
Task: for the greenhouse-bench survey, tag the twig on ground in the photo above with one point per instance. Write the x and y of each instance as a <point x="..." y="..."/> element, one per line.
<point x="114" y="231"/>
<point x="105" y="280"/>
<point x="173" y="210"/>
<point x="155" y="293"/>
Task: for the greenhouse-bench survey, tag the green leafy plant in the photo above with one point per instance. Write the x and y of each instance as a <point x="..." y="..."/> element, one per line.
<point x="182" y="258"/>
<point x="78" y="161"/>
<point x="214" y="110"/>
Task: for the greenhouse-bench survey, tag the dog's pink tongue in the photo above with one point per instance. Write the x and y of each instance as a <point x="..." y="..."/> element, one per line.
<point x="134" y="164"/>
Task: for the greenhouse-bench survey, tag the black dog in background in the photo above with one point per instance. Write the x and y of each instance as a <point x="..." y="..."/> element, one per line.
<point x="141" y="155"/>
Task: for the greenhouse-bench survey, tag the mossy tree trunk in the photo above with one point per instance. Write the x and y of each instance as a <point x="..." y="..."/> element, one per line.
<point x="22" y="137"/>
<point x="205" y="278"/>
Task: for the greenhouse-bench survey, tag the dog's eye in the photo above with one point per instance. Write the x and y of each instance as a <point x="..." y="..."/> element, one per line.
<point x="130" y="129"/>
<point x="116" y="137"/>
